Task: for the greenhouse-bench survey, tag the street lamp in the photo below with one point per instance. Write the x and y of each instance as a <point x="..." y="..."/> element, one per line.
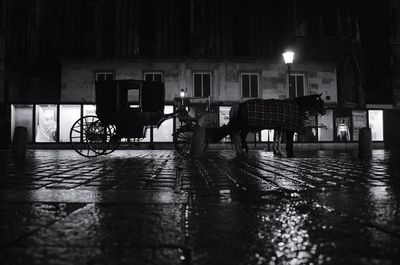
<point x="288" y="57"/>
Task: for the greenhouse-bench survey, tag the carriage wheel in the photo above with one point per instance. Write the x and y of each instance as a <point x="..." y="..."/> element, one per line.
<point x="80" y="133"/>
<point x="183" y="140"/>
<point x="101" y="138"/>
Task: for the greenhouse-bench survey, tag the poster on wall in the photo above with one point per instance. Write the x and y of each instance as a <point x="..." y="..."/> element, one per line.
<point x="46" y="124"/>
<point x="343" y="125"/>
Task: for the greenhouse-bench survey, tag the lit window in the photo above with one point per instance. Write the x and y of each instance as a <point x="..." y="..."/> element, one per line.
<point x="267" y="136"/>
<point x="104" y="76"/>
<point x="164" y="133"/>
<point x="359" y="121"/>
<point x="343" y="125"/>
<point x="296" y="86"/>
<point x="249" y="85"/>
<point x="22" y="115"/>
<point x="325" y="126"/>
<point x="202" y="84"/>
<point x="376" y="124"/>
<point x="69" y="114"/>
<point x="89" y="110"/>
<point x="153" y="76"/>
<point x="46" y="123"/>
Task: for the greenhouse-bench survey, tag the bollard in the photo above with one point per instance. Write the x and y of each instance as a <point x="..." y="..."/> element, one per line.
<point x="19" y="142"/>
<point x="365" y="143"/>
<point x="198" y="142"/>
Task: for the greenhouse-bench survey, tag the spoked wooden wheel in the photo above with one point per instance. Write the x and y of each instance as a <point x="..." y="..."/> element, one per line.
<point x="90" y="138"/>
<point x="183" y="140"/>
<point x="99" y="137"/>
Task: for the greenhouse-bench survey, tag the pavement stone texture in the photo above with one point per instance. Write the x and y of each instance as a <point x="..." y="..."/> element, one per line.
<point x="154" y="207"/>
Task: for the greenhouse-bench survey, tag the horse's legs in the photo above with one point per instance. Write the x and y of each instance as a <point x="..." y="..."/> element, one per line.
<point x="235" y="140"/>
<point x="243" y="136"/>
<point x="277" y="142"/>
<point x="289" y="143"/>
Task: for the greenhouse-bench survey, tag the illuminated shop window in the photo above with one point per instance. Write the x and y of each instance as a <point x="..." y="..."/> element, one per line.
<point x="46" y="123"/>
<point x="224" y="119"/>
<point x="164" y="133"/>
<point x="325" y="126"/>
<point x="309" y="132"/>
<point x="22" y="115"/>
<point x="89" y="110"/>
<point x="376" y="124"/>
<point x="359" y="121"/>
<point x="343" y="125"/>
<point x="69" y="114"/>
<point x="267" y="135"/>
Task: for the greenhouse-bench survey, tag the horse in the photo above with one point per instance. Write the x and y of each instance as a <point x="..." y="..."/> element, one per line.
<point x="281" y="115"/>
<point x="235" y="135"/>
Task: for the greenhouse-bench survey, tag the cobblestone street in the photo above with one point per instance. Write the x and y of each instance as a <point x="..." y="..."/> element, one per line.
<point x="153" y="207"/>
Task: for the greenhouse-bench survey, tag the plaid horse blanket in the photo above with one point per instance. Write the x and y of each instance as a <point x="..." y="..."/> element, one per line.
<point x="273" y="114"/>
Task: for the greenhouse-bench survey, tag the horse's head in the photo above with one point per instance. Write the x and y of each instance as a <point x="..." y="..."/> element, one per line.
<point x="312" y="104"/>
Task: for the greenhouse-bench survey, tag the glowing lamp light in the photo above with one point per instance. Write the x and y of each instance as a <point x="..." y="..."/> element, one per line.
<point x="182" y="93"/>
<point x="288" y="57"/>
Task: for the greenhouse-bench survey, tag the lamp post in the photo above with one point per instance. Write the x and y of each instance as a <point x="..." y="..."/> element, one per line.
<point x="288" y="57"/>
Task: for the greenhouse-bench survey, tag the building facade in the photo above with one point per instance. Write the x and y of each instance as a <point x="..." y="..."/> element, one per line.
<point x="227" y="50"/>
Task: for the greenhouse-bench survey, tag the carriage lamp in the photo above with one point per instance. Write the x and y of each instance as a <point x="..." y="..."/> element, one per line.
<point x="288" y="57"/>
<point x="182" y="93"/>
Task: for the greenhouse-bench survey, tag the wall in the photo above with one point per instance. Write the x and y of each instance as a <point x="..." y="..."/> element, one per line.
<point x="78" y="77"/>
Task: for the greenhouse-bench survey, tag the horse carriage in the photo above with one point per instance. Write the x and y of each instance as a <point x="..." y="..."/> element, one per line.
<point x="125" y="109"/>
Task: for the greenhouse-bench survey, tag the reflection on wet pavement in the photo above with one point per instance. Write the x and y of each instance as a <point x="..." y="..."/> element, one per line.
<point x="153" y="207"/>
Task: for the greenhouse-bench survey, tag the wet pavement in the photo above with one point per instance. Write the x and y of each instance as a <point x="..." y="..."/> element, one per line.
<point x="153" y="207"/>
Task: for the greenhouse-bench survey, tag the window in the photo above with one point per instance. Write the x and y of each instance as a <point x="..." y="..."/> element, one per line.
<point x="202" y="84"/>
<point x="69" y="114"/>
<point x="249" y="85"/>
<point x="359" y="121"/>
<point x="296" y="85"/>
<point x="164" y="133"/>
<point x="22" y="115"/>
<point x="325" y="126"/>
<point x="89" y="110"/>
<point x="153" y="76"/>
<point x="104" y="76"/>
<point x="376" y="124"/>
<point x="343" y="125"/>
<point x="267" y="136"/>
<point x="46" y="123"/>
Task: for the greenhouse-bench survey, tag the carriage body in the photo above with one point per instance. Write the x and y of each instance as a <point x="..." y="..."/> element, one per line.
<point x="124" y="109"/>
<point x="130" y="105"/>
